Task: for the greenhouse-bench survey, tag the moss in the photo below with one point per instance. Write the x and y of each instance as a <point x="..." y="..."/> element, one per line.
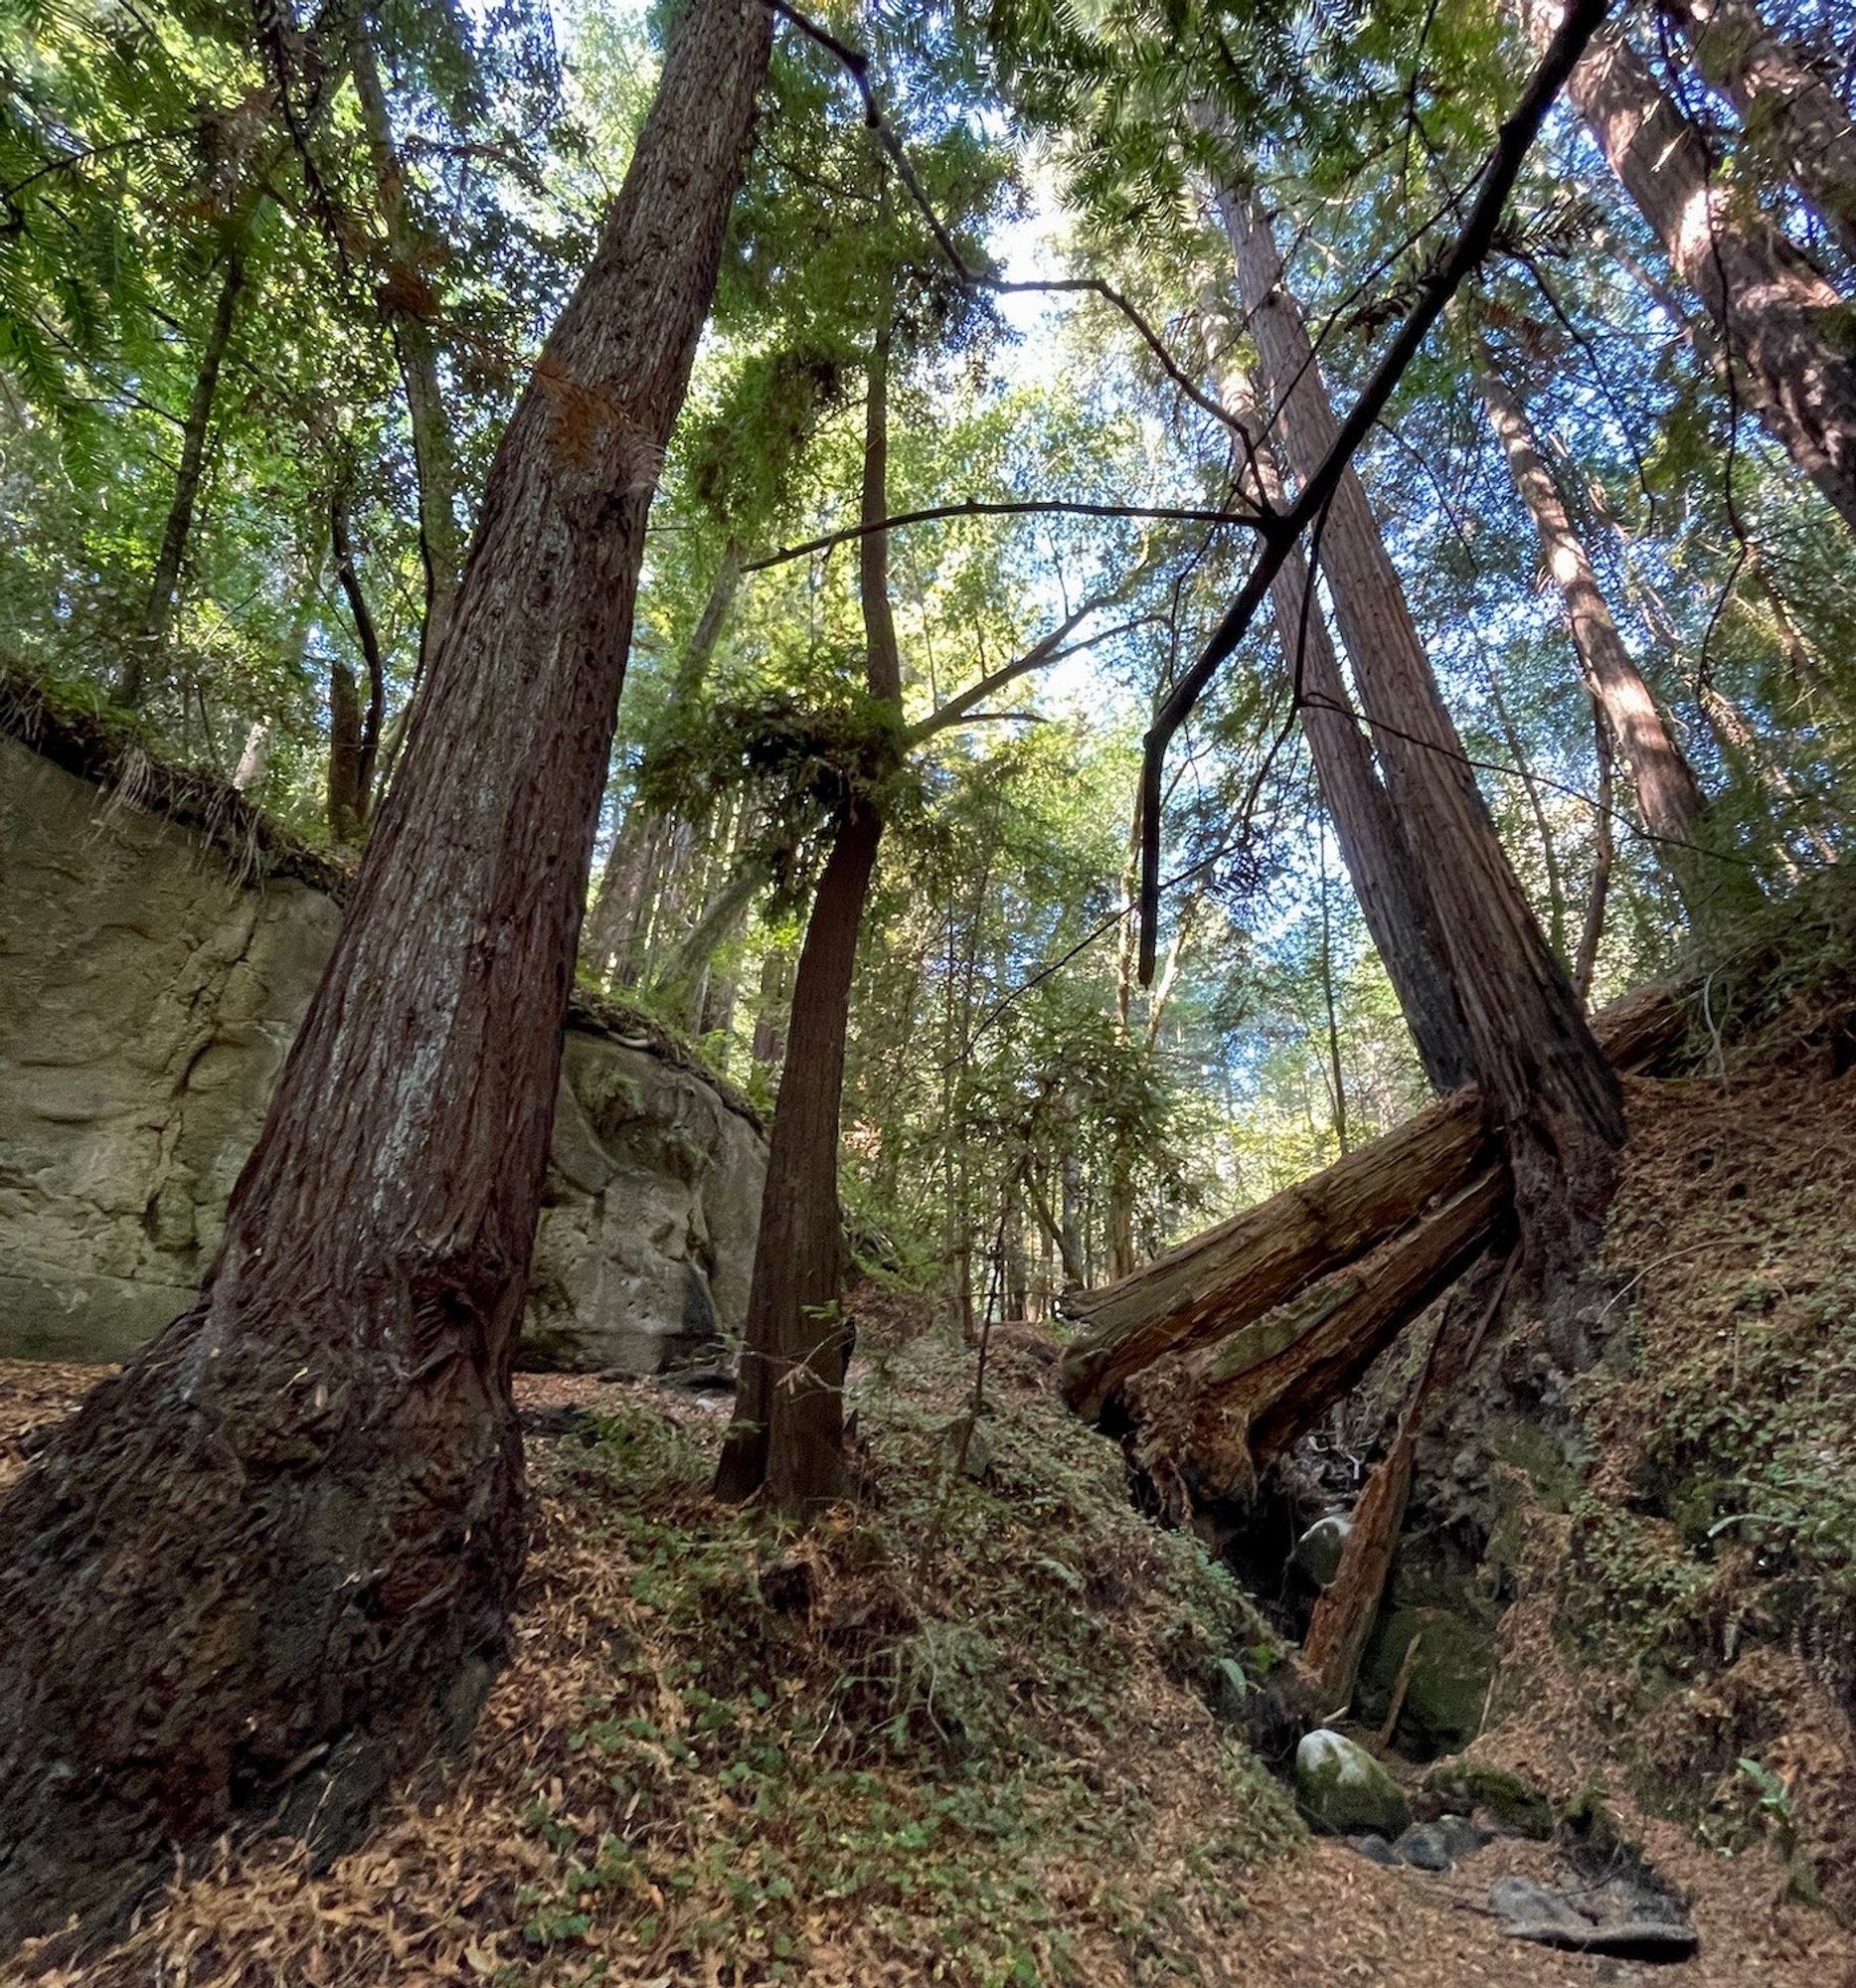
<point x="915" y="1715"/>
<point x="1465" y="1785"/>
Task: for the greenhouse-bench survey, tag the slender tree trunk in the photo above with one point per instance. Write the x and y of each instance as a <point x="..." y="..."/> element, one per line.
<point x="354" y="729"/>
<point x="158" y="612"/>
<point x="270" y="1565"/>
<point x="1783" y="327"/>
<point x="1544" y="1079"/>
<point x="647" y="846"/>
<point x="1386" y="880"/>
<point x="1584" y="968"/>
<point x="787" y="1441"/>
<point x="1792" y="117"/>
<point x="408" y="302"/>
<point x="1337" y="1082"/>
<point x="773" y="1002"/>
<point x="1669" y="798"/>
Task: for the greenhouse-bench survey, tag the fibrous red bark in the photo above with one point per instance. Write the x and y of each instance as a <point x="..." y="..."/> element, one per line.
<point x="270" y="1564"/>
<point x="1385" y="879"/>
<point x="1202" y="1292"/>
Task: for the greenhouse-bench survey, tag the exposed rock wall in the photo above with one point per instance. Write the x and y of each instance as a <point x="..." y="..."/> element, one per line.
<point x="148" y="995"/>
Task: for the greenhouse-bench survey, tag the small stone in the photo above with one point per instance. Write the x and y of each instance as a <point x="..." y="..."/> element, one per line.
<point x="1376" y="1850"/>
<point x="1318" y="1553"/>
<point x="1342" y="1789"/>
<point x="1425" y="1848"/>
<point x="1531" y="1911"/>
<point x="1461" y="1836"/>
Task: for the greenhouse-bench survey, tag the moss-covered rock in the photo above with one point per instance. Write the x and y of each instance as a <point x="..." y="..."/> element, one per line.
<point x="1466" y="1785"/>
<point x="1340" y="1788"/>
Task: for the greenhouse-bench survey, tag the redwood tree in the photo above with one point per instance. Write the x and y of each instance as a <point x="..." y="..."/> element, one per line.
<point x="270" y="1564"/>
<point x="1783" y="330"/>
<point x="1385" y="874"/>
<point x="1544" y="1078"/>
<point x="1669" y="796"/>
<point x="787" y="1438"/>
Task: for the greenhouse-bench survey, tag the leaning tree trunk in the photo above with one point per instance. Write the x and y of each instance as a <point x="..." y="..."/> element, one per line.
<point x="158" y="609"/>
<point x="1790" y="116"/>
<point x="1783" y="329"/>
<point x="1386" y="880"/>
<point x="354" y="729"/>
<point x="787" y="1439"/>
<point x="270" y="1564"/>
<point x="1544" y="1079"/>
<point x="1669" y="798"/>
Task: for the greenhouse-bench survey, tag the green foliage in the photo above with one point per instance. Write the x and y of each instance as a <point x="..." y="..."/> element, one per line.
<point x="794" y="1732"/>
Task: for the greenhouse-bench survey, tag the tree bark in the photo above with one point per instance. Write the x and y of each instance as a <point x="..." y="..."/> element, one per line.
<point x="158" y="612"/>
<point x="1669" y="798"/>
<point x="1790" y="115"/>
<point x="1782" y="328"/>
<point x="787" y="1441"/>
<point x="1604" y="854"/>
<point x="1203" y="1289"/>
<point x="1385" y="877"/>
<point x="270" y="1565"/>
<point x="1250" y="1396"/>
<point x="1545" y="1080"/>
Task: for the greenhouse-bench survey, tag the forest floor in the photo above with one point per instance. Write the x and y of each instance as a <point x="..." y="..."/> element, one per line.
<point x="991" y="1727"/>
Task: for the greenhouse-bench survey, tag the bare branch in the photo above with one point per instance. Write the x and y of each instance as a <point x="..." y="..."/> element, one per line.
<point x="972" y="507"/>
<point x="1040" y="655"/>
<point x="856" y="65"/>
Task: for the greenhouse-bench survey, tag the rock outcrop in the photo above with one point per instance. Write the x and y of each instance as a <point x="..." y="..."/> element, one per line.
<point x="153" y="975"/>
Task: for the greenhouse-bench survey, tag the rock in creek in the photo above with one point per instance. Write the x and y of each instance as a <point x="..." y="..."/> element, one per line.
<point x="1342" y="1788"/>
<point x="1640" y="1930"/>
<point x="1439" y="1844"/>
<point x="1317" y="1552"/>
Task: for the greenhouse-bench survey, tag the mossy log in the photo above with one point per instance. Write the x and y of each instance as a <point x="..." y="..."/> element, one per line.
<point x="1220" y="1414"/>
<point x="1233" y="1277"/>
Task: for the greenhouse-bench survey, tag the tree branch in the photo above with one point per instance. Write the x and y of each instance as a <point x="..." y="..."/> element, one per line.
<point x="1049" y="649"/>
<point x="1279" y="533"/>
<point x="972" y="507"/>
<point x="856" y="66"/>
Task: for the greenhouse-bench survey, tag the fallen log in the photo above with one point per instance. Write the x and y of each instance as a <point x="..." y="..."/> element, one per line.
<point x="1215" y="1419"/>
<point x="1235" y="1275"/>
<point x="1344" y="1615"/>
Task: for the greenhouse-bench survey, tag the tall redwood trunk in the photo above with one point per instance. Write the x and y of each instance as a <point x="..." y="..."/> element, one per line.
<point x="1385" y="879"/>
<point x="1783" y="328"/>
<point x="1790" y="116"/>
<point x="1544" y="1079"/>
<point x="270" y="1564"/>
<point x="787" y="1441"/>
<point x="177" y="528"/>
<point x="1669" y="798"/>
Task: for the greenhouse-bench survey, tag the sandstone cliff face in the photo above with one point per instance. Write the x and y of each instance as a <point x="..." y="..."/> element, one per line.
<point x="147" y="997"/>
